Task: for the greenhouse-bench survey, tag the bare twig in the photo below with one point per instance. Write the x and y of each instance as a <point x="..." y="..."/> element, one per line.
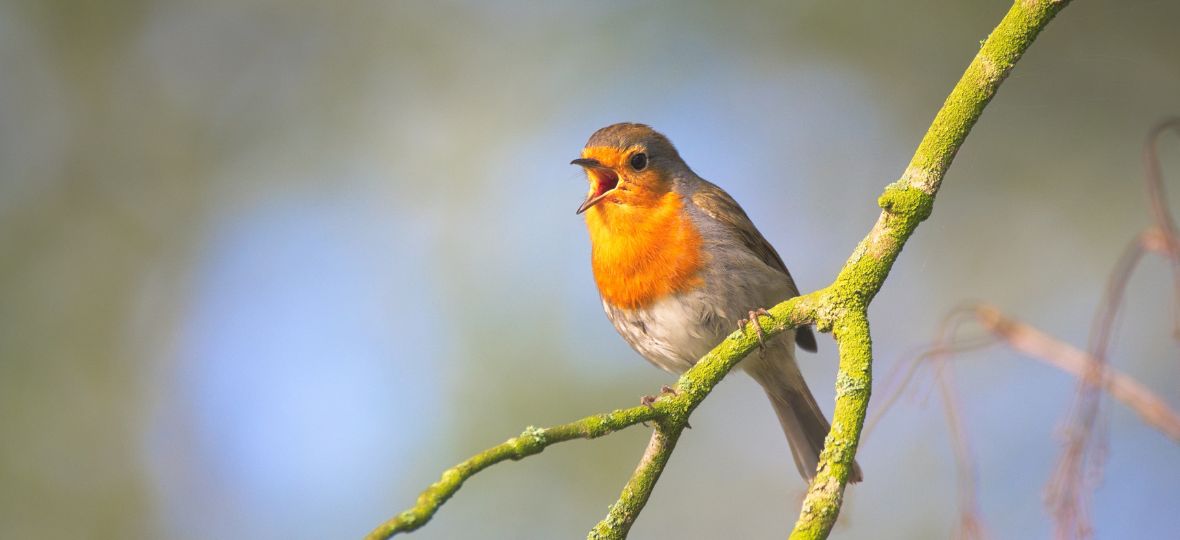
<point x="1080" y="463"/>
<point x="1165" y="226"/>
<point x="970" y="525"/>
<point x="1036" y="344"/>
<point x="946" y="343"/>
<point x="1068" y="493"/>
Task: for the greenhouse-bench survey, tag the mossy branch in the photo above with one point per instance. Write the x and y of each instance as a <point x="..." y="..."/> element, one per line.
<point x="905" y="203"/>
<point x="670" y="413"/>
<point x="532" y="441"/>
<point x="841" y="308"/>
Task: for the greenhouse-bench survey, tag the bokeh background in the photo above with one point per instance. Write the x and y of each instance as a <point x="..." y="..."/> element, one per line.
<point x="267" y="268"/>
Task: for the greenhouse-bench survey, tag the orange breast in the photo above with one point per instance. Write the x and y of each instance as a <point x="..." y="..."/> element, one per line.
<point x="643" y="253"/>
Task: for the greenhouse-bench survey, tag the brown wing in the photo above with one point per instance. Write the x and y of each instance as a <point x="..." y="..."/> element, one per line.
<point x="721" y="207"/>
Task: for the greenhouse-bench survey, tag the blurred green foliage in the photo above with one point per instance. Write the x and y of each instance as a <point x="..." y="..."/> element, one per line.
<point x="130" y="130"/>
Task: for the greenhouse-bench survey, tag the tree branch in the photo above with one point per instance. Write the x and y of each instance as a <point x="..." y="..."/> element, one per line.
<point x="532" y="441"/>
<point x="670" y="412"/>
<point x="840" y="308"/>
<point x="623" y="512"/>
<point x="905" y="204"/>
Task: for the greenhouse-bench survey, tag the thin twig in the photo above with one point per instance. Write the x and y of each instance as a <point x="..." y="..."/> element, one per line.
<point x="1068" y="492"/>
<point x="945" y="345"/>
<point x="1160" y="212"/>
<point x="1036" y="344"/>
<point x="970" y="526"/>
<point x="970" y="523"/>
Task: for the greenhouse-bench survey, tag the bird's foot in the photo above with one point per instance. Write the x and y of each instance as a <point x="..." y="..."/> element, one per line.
<point x="648" y="401"/>
<point x="753" y="320"/>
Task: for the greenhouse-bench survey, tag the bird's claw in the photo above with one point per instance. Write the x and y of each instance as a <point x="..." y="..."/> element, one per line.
<point x="648" y="401"/>
<point x="753" y="320"/>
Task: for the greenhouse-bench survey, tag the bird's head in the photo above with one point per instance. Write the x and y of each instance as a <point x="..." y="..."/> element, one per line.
<point x="628" y="165"/>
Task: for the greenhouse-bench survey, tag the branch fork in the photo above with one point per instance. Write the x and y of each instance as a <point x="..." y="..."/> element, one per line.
<point x="841" y="308"/>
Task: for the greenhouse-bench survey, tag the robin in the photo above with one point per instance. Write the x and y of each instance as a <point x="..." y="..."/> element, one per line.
<point x="679" y="266"/>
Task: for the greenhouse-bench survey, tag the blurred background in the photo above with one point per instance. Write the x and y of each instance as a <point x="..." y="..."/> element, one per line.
<point x="267" y="268"/>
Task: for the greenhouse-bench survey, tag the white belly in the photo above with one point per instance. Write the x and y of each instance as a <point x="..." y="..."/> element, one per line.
<point x="677" y="330"/>
<point x="672" y="333"/>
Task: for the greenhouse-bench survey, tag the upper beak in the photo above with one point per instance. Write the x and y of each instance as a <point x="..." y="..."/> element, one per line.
<point x="586" y="162"/>
<point x="593" y="198"/>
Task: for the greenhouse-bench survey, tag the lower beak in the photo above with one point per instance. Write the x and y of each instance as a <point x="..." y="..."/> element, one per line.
<point x="595" y="198"/>
<point x="591" y="201"/>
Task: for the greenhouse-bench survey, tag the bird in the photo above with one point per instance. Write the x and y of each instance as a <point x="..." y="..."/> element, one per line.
<point x="679" y="266"/>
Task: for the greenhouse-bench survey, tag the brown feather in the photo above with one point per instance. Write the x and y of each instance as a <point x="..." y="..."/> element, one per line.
<point x="721" y="207"/>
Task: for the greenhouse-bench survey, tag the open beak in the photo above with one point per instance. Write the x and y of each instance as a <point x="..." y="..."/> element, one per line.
<point x="604" y="179"/>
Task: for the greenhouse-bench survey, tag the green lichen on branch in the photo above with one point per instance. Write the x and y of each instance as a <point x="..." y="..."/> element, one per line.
<point x="853" y="387"/>
<point x="624" y="511"/>
<point x="669" y="412"/>
<point x="996" y="58"/>
<point x="692" y="388"/>
<point x="905" y="204"/>
<point x="532" y="441"/>
<point x="840" y="308"/>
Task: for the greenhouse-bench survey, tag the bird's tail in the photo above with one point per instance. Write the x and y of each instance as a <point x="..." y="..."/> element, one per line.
<point x="798" y="413"/>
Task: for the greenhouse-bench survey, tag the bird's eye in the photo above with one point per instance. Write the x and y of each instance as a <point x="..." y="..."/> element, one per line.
<point x="639" y="161"/>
